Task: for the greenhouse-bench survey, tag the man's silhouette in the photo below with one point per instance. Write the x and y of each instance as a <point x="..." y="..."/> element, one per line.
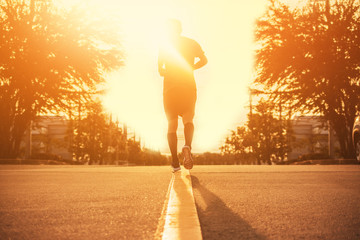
<point x="177" y="62"/>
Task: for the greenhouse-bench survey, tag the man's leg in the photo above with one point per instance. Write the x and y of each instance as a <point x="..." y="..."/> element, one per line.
<point x="172" y="141"/>
<point x="188" y="128"/>
<point x="189" y="133"/>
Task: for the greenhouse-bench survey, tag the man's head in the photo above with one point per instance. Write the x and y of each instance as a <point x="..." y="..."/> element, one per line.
<point x="173" y="28"/>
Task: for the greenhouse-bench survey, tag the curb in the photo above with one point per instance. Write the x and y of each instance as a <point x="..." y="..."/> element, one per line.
<point x="181" y="219"/>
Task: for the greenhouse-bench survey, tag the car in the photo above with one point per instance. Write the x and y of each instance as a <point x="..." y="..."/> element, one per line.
<point x="356" y="137"/>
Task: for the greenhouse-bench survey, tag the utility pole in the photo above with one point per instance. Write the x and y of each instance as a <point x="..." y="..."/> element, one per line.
<point x="126" y="143"/>
<point x="250" y="101"/>
<point x="117" y="140"/>
<point x="78" y="147"/>
<point x="331" y="141"/>
<point x="28" y="143"/>
<point x="71" y="135"/>
<point x="109" y="149"/>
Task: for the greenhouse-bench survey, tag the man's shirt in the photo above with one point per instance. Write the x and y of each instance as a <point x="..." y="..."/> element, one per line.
<point x="178" y="60"/>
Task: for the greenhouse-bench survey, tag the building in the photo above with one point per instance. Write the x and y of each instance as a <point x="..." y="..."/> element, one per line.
<point x="50" y="137"/>
<point x="311" y="136"/>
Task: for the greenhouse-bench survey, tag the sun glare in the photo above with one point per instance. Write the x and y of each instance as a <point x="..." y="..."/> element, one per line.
<point x="224" y="29"/>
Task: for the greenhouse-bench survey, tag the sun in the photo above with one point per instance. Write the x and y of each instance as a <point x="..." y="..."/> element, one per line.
<point x="135" y="91"/>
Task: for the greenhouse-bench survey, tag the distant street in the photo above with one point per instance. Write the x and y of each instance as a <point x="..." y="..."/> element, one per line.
<point x="233" y="202"/>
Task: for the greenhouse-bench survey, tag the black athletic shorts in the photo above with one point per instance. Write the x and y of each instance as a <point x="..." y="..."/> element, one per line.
<point x="178" y="102"/>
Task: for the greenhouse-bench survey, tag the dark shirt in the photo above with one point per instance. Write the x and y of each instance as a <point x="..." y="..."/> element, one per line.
<point x="178" y="62"/>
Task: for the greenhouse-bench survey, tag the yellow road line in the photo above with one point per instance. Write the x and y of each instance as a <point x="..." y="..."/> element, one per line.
<point x="181" y="220"/>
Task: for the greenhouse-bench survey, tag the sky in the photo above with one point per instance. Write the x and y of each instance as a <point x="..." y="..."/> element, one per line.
<point x="225" y="31"/>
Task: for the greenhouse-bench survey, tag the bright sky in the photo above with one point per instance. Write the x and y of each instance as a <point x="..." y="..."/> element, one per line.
<point x="224" y="29"/>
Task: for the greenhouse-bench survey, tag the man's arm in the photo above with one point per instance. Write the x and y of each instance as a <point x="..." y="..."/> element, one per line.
<point x="202" y="61"/>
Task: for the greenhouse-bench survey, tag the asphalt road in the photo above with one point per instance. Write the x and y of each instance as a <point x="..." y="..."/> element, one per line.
<point x="278" y="202"/>
<point x="233" y="202"/>
<point x="81" y="202"/>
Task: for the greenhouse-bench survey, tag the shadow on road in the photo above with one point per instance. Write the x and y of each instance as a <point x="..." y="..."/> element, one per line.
<point x="217" y="220"/>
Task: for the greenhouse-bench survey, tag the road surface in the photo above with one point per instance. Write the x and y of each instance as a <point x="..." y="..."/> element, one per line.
<point x="278" y="202"/>
<point x="81" y="202"/>
<point x="233" y="202"/>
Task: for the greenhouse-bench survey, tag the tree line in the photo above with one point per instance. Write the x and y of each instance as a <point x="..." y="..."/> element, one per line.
<point x="97" y="139"/>
<point x="54" y="59"/>
<point x="264" y="139"/>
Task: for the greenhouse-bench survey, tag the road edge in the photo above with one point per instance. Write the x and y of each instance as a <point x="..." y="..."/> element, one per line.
<point x="181" y="219"/>
<point x="161" y="223"/>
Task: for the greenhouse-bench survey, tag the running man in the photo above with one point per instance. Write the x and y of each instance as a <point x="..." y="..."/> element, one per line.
<point x="177" y="62"/>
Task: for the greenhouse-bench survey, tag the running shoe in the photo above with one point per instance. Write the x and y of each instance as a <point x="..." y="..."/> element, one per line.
<point x="176" y="169"/>
<point x="188" y="161"/>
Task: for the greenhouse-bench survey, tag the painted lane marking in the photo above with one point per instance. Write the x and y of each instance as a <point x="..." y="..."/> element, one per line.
<point x="161" y="223"/>
<point x="181" y="219"/>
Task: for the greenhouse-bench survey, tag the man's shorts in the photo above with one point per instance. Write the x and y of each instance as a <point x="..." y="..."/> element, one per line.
<point x="179" y="102"/>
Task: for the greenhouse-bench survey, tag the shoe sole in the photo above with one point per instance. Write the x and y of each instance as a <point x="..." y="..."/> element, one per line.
<point x="175" y="170"/>
<point x="188" y="161"/>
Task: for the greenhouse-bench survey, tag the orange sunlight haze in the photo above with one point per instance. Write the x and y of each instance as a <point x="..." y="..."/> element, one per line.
<point x="224" y="29"/>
